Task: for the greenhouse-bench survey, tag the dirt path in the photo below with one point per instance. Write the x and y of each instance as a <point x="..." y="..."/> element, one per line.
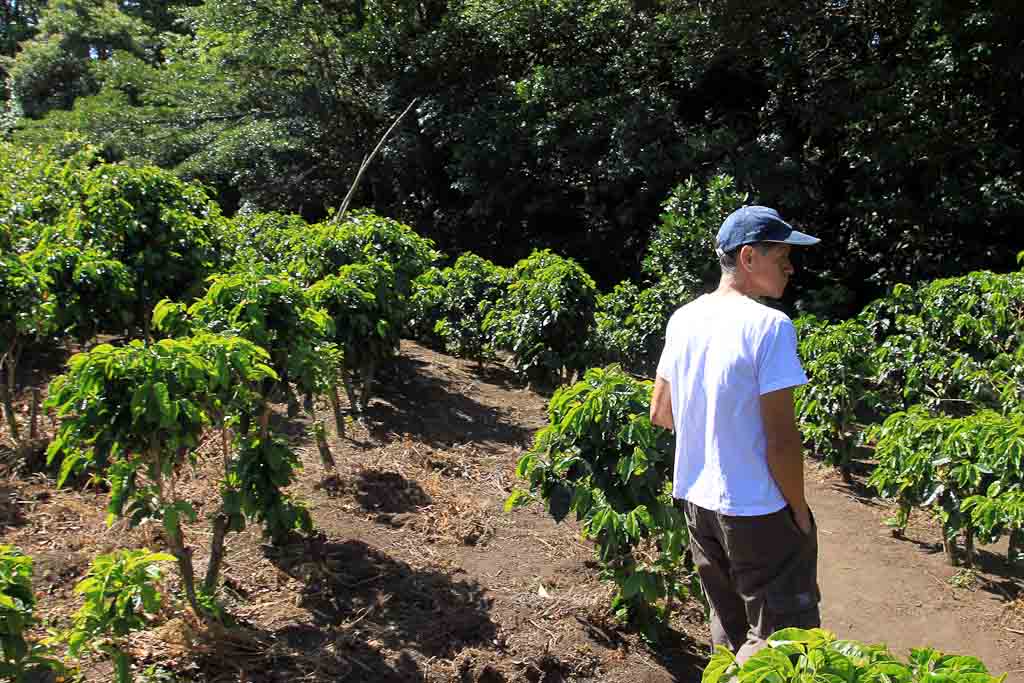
<point x="877" y="588"/>
<point x="418" y="575"/>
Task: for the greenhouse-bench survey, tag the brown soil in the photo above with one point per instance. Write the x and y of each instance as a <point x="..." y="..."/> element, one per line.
<point x="417" y="574"/>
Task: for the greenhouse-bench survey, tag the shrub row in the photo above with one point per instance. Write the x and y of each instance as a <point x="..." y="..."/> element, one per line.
<point x="931" y="378"/>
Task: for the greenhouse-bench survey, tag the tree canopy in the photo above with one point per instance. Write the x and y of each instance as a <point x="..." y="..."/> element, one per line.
<point x="889" y="129"/>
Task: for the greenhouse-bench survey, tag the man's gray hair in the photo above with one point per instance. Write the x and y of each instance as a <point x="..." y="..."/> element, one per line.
<point x="727" y="259"/>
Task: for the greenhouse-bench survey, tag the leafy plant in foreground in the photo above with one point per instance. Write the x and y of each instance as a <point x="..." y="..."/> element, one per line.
<point x="120" y="591"/>
<point x="802" y="656"/>
<point x="18" y="657"/>
<point x="601" y="458"/>
<point x="136" y="414"/>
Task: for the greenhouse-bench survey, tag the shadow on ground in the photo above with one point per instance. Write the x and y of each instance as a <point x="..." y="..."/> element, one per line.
<point x="372" y="597"/>
<point x="434" y="410"/>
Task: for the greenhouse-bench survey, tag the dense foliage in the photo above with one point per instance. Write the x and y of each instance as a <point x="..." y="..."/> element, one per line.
<point x="933" y="377"/>
<point x="563" y="126"/>
<point x="20" y="659"/>
<point x="449" y="305"/>
<point x="601" y="458"/>
<point x="544" y="316"/>
<point x="797" y="655"/>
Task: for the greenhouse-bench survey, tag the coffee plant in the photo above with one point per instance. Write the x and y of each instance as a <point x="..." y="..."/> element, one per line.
<point x="797" y="656"/>
<point x="362" y="237"/>
<point x="545" y="317"/>
<point x="159" y="227"/>
<point x="840" y="394"/>
<point x="120" y="592"/>
<point x="366" y="311"/>
<point x="629" y="323"/>
<point x="272" y="311"/>
<point x="601" y="458"/>
<point x="19" y="658"/>
<point x="454" y="303"/>
<point x="90" y="292"/>
<point x="945" y="464"/>
<point x="25" y="316"/>
<point x="136" y="414"/>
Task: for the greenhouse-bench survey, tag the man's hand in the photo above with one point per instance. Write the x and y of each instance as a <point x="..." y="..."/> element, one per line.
<point x="803" y="519"/>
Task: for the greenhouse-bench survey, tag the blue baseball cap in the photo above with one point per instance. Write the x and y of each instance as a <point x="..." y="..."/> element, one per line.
<point x="758" y="224"/>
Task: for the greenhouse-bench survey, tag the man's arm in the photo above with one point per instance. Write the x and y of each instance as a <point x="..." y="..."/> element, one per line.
<point x="785" y="452"/>
<point x="661" y="404"/>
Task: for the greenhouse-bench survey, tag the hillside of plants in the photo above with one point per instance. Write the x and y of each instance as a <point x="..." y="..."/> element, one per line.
<point x="223" y="223"/>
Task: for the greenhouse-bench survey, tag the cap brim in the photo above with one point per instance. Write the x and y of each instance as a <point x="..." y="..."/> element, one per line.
<point x="797" y="238"/>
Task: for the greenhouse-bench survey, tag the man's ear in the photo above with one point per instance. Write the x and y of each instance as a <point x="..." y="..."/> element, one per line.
<point x="746" y="258"/>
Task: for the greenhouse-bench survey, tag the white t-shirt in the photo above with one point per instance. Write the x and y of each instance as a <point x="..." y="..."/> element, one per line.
<point x="721" y="354"/>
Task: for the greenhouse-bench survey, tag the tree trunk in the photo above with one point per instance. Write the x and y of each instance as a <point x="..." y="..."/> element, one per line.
<point x="188" y="577"/>
<point x="293" y="402"/>
<point x="220" y="530"/>
<point x="353" y="400"/>
<point x="368" y="371"/>
<point x="33" y="429"/>
<point x="225" y="450"/>
<point x="339" y="418"/>
<point x="8" y="404"/>
<point x="949" y="545"/>
<point x="265" y="422"/>
<point x="969" y="548"/>
<point x="321" y="443"/>
<point x="1015" y="552"/>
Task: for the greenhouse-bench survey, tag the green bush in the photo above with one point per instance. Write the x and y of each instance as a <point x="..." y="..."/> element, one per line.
<point x="19" y="658"/>
<point x="545" y="317"/>
<point x="450" y="305"/>
<point x="272" y="311"/>
<point x="797" y="655"/>
<point x="601" y="458"/>
<point x="366" y="310"/>
<point x="682" y="247"/>
<point x="136" y="415"/>
<point x="120" y="591"/>
<point x="362" y="237"/>
<point x="161" y="228"/>
<point x="953" y="466"/>
<point x="841" y="394"/>
<point x="630" y="323"/>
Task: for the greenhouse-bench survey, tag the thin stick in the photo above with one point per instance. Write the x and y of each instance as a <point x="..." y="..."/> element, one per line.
<point x="367" y="160"/>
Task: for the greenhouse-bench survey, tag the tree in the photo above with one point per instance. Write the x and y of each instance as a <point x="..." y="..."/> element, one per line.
<point x="135" y="415"/>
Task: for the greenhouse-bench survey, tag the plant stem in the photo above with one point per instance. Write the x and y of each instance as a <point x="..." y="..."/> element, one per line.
<point x="339" y="418"/>
<point x="220" y="530"/>
<point x="33" y="429"/>
<point x="368" y="371"/>
<point x="6" y="399"/>
<point x="350" y="391"/>
<point x="969" y="548"/>
<point x="949" y="544"/>
<point x="122" y="664"/>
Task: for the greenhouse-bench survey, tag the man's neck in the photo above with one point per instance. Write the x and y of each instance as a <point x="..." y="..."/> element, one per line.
<point x="730" y="285"/>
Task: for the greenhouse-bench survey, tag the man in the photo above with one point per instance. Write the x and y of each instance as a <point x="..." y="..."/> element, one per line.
<point x="725" y="387"/>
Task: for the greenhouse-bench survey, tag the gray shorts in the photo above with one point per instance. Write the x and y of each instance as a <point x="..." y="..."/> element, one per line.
<point x="759" y="574"/>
